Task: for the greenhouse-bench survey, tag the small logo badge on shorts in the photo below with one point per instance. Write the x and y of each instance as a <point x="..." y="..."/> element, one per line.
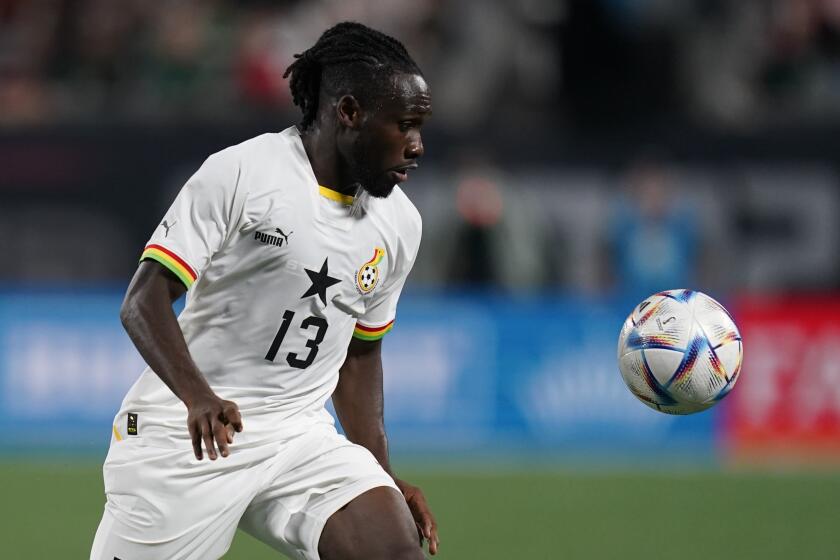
<point x="131" y="429"/>
<point x="368" y="274"/>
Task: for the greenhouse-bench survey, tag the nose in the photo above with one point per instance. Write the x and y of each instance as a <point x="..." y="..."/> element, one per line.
<point x="414" y="148"/>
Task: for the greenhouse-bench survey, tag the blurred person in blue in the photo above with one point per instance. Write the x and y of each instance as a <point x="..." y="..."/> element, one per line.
<point x="292" y="249"/>
<point x="652" y="241"/>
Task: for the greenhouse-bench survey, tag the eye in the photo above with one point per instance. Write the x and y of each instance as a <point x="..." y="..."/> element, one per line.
<point x="409" y="123"/>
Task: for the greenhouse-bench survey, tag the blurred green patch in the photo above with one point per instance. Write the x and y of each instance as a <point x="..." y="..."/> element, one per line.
<point x="52" y="510"/>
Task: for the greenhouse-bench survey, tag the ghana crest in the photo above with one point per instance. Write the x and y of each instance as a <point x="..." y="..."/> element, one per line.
<point x="368" y="275"/>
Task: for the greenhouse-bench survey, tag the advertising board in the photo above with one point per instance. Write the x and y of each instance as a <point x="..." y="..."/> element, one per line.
<point x="463" y="374"/>
<point x="786" y="406"/>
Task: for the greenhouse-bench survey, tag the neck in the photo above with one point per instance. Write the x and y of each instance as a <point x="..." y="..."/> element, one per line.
<point x="322" y="151"/>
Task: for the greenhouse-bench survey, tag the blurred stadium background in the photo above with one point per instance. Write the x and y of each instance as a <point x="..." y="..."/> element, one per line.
<point x="583" y="154"/>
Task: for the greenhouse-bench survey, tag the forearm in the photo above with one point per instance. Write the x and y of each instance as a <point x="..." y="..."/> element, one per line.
<point x="359" y="401"/>
<point x="151" y="324"/>
<point x="359" y="404"/>
<point x="365" y="428"/>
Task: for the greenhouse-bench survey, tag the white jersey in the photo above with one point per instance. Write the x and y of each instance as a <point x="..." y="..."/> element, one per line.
<point x="280" y="275"/>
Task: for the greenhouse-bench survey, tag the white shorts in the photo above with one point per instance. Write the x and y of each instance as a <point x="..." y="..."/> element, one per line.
<point x="163" y="503"/>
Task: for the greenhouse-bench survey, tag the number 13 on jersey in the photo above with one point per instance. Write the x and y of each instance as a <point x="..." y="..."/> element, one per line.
<point x="292" y="358"/>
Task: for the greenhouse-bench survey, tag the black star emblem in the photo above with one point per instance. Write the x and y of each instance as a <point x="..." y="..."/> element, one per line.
<point x="321" y="280"/>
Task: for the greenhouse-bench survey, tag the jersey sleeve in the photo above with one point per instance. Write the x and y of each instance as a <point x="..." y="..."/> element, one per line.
<point x="197" y="223"/>
<point x="380" y="314"/>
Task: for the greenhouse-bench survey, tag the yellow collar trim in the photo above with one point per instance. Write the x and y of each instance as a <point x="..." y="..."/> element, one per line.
<point x="335" y="195"/>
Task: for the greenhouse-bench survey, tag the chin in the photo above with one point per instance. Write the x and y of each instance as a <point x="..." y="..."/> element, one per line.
<point x="380" y="190"/>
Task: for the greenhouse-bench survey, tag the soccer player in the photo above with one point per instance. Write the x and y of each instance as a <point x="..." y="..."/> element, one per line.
<point x="293" y="248"/>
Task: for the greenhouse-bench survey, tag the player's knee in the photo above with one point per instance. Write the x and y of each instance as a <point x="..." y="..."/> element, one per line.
<point x="410" y="551"/>
<point x="400" y="544"/>
<point x="399" y="551"/>
<point x="393" y="549"/>
<point x="377" y="525"/>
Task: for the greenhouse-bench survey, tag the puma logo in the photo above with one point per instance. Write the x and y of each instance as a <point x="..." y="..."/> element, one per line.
<point x="168" y="227"/>
<point x="269" y="239"/>
<point x="285" y="235"/>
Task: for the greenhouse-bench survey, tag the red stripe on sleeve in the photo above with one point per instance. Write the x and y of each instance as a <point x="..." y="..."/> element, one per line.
<point x="175" y="257"/>
<point x="361" y="327"/>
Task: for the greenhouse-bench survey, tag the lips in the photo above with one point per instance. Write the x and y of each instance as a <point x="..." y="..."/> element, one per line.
<point x="400" y="174"/>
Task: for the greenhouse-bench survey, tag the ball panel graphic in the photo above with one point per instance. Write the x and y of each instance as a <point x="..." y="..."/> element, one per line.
<point x="664" y="323"/>
<point x="636" y="377"/>
<point x="730" y="358"/>
<point x="663" y="363"/>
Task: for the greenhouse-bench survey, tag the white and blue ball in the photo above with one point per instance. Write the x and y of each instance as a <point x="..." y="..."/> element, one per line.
<point x="680" y="352"/>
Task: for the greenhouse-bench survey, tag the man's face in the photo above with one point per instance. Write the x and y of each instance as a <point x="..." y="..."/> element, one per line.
<point x="388" y="143"/>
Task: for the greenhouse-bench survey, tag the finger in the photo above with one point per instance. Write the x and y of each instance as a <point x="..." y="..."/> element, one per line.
<point x="229" y="432"/>
<point x="220" y="433"/>
<point x="195" y="436"/>
<point x="426" y="520"/>
<point x="434" y="541"/>
<point x="233" y="417"/>
<point x="422" y="514"/>
<point x="418" y="500"/>
<point x="207" y="435"/>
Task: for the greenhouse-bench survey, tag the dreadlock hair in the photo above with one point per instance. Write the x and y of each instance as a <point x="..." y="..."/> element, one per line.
<point x="348" y="58"/>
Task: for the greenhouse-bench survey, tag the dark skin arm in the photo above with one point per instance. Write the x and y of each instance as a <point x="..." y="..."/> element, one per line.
<point x="151" y="324"/>
<point x="358" y="402"/>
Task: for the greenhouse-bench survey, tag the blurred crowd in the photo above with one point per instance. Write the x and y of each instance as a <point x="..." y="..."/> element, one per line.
<point x="223" y="60"/>
<point x="650" y="225"/>
<point x="517" y="85"/>
<point x="491" y="62"/>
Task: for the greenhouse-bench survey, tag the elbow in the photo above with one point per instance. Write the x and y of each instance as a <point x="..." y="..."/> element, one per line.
<point x="148" y="295"/>
<point x="134" y="308"/>
<point x="128" y="311"/>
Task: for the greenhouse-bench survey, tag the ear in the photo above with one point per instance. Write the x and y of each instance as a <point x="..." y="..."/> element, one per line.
<point x="349" y="112"/>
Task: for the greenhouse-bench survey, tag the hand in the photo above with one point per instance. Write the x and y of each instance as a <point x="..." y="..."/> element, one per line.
<point x="209" y="418"/>
<point x="423" y="518"/>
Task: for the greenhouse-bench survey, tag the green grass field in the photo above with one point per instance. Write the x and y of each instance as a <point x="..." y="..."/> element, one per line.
<point x="51" y="511"/>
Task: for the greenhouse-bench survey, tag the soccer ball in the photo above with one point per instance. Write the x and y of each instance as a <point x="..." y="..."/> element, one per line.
<point x="680" y="352"/>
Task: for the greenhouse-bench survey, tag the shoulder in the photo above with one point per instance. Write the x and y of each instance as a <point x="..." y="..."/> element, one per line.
<point x="402" y="216"/>
<point x="411" y="223"/>
<point x="259" y="147"/>
<point x="254" y="162"/>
